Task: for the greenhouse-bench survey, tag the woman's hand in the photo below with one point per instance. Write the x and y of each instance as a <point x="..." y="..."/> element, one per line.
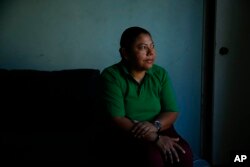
<point x="143" y="129"/>
<point x="169" y="147"/>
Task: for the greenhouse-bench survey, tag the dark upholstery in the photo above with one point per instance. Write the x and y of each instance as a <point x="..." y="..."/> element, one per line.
<point x="48" y="116"/>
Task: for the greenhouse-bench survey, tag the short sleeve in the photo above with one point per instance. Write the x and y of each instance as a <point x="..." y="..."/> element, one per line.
<point x="111" y="94"/>
<point x="168" y="97"/>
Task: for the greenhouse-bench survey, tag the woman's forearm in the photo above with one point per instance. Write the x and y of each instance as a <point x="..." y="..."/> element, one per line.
<point x="127" y="125"/>
<point x="167" y="119"/>
<point x="123" y="123"/>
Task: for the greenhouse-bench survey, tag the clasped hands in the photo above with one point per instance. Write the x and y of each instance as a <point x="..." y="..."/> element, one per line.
<point x="168" y="145"/>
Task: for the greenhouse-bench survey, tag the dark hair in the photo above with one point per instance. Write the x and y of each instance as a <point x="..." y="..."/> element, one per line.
<point x="129" y="36"/>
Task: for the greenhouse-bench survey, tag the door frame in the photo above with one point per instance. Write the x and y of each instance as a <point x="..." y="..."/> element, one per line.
<point x="209" y="17"/>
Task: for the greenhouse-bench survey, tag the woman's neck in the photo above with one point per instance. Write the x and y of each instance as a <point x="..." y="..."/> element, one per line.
<point x="138" y="75"/>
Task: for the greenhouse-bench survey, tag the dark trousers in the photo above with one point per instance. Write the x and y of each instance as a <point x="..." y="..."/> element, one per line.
<point x="125" y="151"/>
<point x="156" y="158"/>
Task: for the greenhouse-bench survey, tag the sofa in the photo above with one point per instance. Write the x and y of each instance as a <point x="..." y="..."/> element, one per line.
<point x="48" y="116"/>
<point x="51" y="117"/>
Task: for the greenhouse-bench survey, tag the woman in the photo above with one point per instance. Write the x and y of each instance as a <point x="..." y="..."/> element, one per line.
<point x="139" y="98"/>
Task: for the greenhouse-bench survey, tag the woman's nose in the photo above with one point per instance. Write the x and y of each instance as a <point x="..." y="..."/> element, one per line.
<point x="151" y="51"/>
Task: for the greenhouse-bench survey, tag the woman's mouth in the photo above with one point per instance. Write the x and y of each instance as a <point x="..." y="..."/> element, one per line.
<point x="149" y="61"/>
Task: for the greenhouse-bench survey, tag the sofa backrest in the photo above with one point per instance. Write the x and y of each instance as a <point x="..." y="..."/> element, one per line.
<point x="48" y="96"/>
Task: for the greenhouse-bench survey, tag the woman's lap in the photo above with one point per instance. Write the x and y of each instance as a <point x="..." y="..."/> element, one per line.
<point x="156" y="158"/>
<point x="127" y="151"/>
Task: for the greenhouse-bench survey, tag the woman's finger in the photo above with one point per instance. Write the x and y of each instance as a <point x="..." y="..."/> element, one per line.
<point x="180" y="148"/>
<point x="141" y="129"/>
<point x="142" y="132"/>
<point x="176" y="139"/>
<point x="175" y="154"/>
<point x="136" y="127"/>
<point x="166" y="156"/>
<point x="145" y="131"/>
<point x="169" y="154"/>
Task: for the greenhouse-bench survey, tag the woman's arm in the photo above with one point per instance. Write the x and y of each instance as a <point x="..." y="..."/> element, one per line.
<point x="123" y="123"/>
<point x="167" y="119"/>
<point x="148" y="131"/>
<point x="132" y="127"/>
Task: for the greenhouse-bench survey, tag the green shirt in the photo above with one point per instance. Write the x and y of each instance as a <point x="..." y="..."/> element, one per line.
<point x="123" y="96"/>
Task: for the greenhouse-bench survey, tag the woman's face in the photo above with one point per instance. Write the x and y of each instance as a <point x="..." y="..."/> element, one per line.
<point x="142" y="54"/>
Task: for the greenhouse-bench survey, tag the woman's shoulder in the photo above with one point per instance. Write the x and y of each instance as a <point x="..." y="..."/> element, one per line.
<point x="160" y="73"/>
<point x="110" y="68"/>
<point x="111" y="71"/>
<point x="158" y="70"/>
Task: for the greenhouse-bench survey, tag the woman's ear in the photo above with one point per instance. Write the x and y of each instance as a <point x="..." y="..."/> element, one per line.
<point x="124" y="53"/>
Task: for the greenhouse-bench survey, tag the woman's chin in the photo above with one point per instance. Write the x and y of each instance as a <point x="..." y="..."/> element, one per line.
<point x="148" y="66"/>
<point x="144" y="67"/>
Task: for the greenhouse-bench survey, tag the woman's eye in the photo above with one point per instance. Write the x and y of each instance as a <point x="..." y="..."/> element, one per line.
<point x="142" y="47"/>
